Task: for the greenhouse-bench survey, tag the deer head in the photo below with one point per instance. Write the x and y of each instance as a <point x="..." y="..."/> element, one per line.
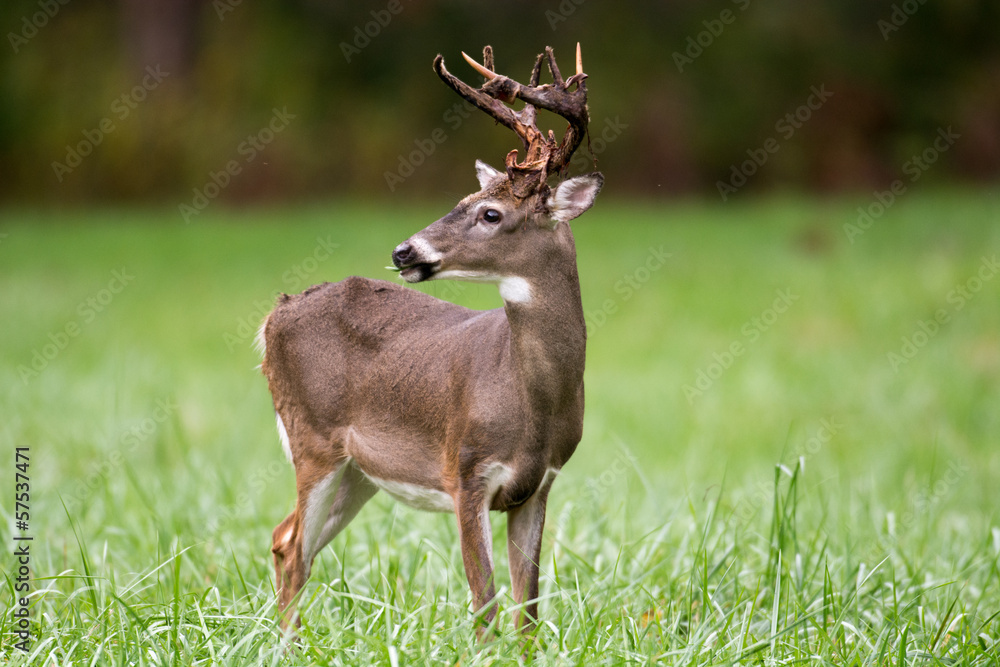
<point x="510" y="229"/>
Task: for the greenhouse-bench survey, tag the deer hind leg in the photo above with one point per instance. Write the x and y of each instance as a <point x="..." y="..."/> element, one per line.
<point x="353" y="492"/>
<point x="287" y="573"/>
<point x="296" y="540"/>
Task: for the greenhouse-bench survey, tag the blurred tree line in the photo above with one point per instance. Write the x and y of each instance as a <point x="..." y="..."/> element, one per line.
<point x="161" y="99"/>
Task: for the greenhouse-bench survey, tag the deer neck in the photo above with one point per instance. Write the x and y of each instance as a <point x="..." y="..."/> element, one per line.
<point x="548" y="334"/>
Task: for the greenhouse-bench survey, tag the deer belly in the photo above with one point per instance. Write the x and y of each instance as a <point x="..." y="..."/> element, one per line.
<point x="405" y="469"/>
<point x="415" y="496"/>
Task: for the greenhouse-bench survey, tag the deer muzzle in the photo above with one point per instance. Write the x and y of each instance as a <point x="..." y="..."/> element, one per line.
<point x="416" y="260"/>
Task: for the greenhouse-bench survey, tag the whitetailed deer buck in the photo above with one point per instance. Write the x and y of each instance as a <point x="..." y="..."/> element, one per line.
<point x="377" y="386"/>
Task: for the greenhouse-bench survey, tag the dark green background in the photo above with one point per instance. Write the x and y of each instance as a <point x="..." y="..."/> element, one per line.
<point x="677" y="126"/>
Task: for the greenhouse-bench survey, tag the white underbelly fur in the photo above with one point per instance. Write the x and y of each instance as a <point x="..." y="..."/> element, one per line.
<point x="433" y="500"/>
<point x="422" y="497"/>
<point x="415" y="496"/>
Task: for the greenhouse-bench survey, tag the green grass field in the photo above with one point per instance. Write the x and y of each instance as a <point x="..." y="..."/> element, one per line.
<point x="813" y="486"/>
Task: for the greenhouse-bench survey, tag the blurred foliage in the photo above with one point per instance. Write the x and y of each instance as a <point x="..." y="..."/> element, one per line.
<point x="367" y="105"/>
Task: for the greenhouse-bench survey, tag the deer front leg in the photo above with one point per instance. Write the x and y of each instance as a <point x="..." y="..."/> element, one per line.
<point x="524" y="547"/>
<point x="477" y="551"/>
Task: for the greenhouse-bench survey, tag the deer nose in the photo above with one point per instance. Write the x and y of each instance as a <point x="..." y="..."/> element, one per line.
<point x="403" y="253"/>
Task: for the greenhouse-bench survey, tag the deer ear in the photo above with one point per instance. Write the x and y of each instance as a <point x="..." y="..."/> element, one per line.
<point x="485" y="173"/>
<point x="573" y="197"/>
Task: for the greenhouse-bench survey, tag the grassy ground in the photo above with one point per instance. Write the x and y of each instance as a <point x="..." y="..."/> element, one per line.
<point x="753" y="487"/>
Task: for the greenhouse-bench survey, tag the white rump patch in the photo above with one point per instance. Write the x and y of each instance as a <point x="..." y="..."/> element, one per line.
<point x="512" y="288"/>
<point x="416" y="496"/>
<point x="283" y="434"/>
<point x="259" y="343"/>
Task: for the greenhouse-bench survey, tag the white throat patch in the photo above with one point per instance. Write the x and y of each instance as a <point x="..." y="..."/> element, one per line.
<point x="513" y="289"/>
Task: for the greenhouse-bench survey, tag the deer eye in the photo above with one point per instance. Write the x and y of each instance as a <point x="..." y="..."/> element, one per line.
<point x="491" y="215"/>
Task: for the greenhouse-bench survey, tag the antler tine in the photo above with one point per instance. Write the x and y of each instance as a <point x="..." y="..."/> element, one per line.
<point x="556" y="76"/>
<point x="579" y="77"/>
<point x="491" y="106"/>
<point x="571" y="105"/>
<point x="536" y="71"/>
<point x="491" y="103"/>
<point x="544" y="155"/>
<point x="487" y="71"/>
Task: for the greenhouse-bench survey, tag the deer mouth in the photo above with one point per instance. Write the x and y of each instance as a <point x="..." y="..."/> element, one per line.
<point x="420" y="271"/>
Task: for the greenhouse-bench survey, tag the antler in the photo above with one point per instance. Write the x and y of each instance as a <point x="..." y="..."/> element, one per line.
<point x="543" y="154"/>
